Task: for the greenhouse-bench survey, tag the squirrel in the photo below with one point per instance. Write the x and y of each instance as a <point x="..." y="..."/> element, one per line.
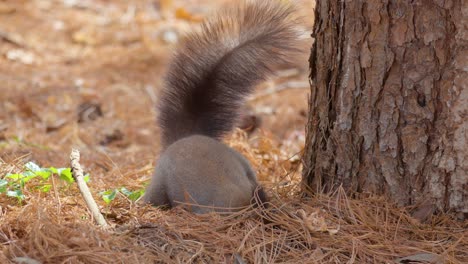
<point x="211" y="73"/>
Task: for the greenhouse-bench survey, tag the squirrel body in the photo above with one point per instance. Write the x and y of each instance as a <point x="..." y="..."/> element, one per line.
<point x="210" y="75"/>
<point x="218" y="178"/>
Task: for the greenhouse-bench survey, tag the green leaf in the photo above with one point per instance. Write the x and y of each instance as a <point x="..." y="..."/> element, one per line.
<point x="135" y="195"/>
<point x="53" y="170"/>
<point x="21" y="178"/>
<point x="17" y="194"/>
<point x="66" y="175"/>
<point x="125" y="191"/>
<point x="86" y="177"/>
<point x="28" y="174"/>
<point x="45" y="187"/>
<point x="15" y="176"/>
<point x="3" y="185"/>
<point x="27" y="178"/>
<point x="109" y="195"/>
<point x="44" y="174"/>
<point x="32" y="166"/>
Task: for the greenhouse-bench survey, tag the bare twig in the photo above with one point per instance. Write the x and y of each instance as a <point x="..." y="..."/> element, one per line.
<point x="90" y="202"/>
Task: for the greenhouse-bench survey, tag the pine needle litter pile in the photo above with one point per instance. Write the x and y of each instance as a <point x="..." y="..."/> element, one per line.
<point x="324" y="229"/>
<point x="85" y="74"/>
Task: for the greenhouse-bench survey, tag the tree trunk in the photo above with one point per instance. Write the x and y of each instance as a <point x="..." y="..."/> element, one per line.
<point x="389" y="101"/>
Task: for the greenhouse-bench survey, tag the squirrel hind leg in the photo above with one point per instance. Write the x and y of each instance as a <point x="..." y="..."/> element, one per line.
<point x="156" y="198"/>
<point x="156" y="193"/>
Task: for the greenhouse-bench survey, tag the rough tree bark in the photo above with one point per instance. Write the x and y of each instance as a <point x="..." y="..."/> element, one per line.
<point x="389" y="100"/>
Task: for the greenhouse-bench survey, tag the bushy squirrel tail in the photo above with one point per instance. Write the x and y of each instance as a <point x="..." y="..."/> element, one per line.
<point x="215" y="68"/>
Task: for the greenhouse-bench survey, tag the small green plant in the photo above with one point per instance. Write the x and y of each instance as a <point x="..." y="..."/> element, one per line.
<point x="135" y="195"/>
<point x="109" y="195"/>
<point x="13" y="183"/>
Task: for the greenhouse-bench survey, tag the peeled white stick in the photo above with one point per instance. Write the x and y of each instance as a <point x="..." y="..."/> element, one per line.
<point x="77" y="172"/>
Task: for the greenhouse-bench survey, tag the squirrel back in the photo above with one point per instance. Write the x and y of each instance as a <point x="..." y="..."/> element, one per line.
<point x="216" y="67"/>
<point x="208" y="79"/>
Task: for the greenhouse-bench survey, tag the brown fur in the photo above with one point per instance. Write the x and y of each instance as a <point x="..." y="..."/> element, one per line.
<point x="208" y="79"/>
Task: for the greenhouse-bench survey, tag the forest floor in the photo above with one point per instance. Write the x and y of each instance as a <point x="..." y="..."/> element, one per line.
<point x="85" y="74"/>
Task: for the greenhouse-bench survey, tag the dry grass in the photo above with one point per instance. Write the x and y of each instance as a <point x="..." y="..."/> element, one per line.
<point x="111" y="54"/>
